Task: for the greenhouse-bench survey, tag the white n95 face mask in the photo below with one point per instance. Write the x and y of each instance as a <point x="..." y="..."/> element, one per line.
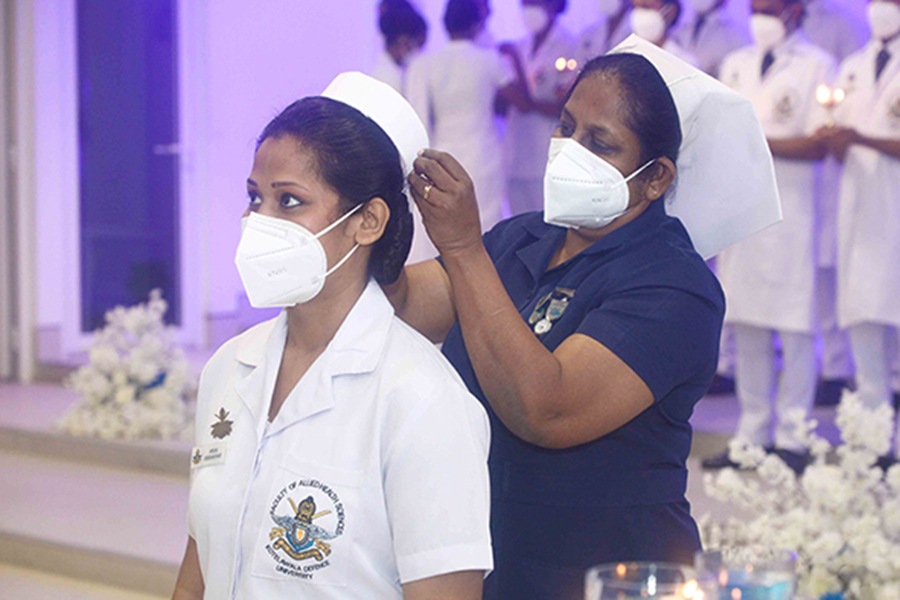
<point x="884" y="18"/>
<point x="768" y="31"/>
<point x="535" y="17"/>
<point x="648" y="23"/>
<point x="282" y="263"/>
<point x="581" y="189"/>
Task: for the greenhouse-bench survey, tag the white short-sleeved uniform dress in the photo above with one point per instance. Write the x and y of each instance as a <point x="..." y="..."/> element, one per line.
<point x="373" y="473"/>
<point x="453" y="91"/>
<point x="528" y="134"/>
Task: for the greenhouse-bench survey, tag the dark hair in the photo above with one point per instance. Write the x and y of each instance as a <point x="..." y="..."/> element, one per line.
<point x="461" y="15"/>
<point x="398" y="19"/>
<point x="357" y="159"/>
<point x="647" y="108"/>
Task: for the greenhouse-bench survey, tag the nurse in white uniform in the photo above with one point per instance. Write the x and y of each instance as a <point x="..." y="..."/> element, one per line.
<point x="598" y="38"/>
<point x="868" y="141"/>
<point x="832" y="27"/>
<point x="544" y="74"/>
<point x="338" y="454"/>
<point x="711" y="34"/>
<point x="770" y="278"/>
<point x="655" y="20"/>
<point x="454" y="91"/>
<point x="404" y="32"/>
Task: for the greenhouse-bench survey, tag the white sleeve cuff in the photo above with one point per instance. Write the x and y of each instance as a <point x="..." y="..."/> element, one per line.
<point x="451" y="559"/>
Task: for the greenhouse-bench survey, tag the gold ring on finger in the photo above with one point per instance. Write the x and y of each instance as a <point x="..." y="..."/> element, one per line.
<point x="427" y="190"/>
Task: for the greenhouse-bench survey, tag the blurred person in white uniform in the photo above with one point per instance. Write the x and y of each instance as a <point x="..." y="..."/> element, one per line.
<point x="454" y="91"/>
<point x="655" y="20"/>
<point x="612" y="25"/>
<point x="837" y="31"/>
<point x="544" y="74"/>
<point x="404" y="32"/>
<point x="833" y="28"/>
<point x="867" y="140"/>
<point x="711" y="34"/>
<point x="770" y="278"/>
<point x="338" y="455"/>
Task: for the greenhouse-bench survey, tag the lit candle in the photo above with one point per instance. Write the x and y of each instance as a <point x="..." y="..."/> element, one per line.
<point x="830" y="99"/>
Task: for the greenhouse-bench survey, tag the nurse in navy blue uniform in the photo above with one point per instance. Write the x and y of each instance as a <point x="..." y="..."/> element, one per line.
<point x="589" y="331"/>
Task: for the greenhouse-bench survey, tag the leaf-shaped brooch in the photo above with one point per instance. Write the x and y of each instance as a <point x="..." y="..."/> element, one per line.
<point x="222" y="427"/>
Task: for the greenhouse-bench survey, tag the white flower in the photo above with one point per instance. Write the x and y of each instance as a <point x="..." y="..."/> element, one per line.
<point x="825" y="547"/>
<point x="820" y="582"/>
<point x="889" y="591"/>
<point x="747" y="456"/>
<point x="104" y="358"/>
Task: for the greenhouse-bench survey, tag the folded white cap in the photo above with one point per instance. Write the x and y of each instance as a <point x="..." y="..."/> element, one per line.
<point x="387" y="107"/>
<point x="725" y="189"/>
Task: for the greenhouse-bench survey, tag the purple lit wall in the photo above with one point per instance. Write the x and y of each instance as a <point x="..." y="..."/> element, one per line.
<point x="246" y="61"/>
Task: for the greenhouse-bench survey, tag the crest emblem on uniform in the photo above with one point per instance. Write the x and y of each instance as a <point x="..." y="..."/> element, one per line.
<point x="221" y="428"/>
<point x="894" y="111"/>
<point x="301" y="541"/>
<point x="786" y="106"/>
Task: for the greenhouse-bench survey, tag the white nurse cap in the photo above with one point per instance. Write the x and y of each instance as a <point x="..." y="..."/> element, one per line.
<point x="384" y="105"/>
<point x="725" y="189"/>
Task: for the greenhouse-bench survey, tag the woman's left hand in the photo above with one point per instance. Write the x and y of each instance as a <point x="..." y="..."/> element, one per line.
<point x="445" y="195"/>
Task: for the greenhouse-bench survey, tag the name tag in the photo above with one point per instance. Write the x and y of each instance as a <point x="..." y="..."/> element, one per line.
<point x="207" y="456"/>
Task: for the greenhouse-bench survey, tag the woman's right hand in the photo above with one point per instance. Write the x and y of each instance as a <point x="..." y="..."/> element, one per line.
<point x="445" y="195"/>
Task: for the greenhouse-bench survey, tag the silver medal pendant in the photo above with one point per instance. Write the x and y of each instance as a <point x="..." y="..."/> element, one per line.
<point x="542" y="326"/>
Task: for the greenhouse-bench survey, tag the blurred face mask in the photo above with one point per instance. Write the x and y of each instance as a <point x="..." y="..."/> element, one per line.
<point x="610" y="8"/>
<point x="768" y="31"/>
<point x="648" y="24"/>
<point x="581" y="189"/>
<point x="536" y="18"/>
<point x="282" y="263"/>
<point x="884" y="18"/>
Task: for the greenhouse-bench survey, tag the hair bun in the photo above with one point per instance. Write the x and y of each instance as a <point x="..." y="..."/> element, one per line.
<point x="390" y="253"/>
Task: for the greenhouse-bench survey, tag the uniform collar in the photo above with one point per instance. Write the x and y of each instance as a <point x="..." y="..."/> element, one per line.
<point x="355" y="349"/>
<point x="536" y="255"/>
<point x="786" y="48"/>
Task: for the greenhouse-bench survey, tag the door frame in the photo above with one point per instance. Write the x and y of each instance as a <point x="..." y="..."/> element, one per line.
<point x="7" y="289"/>
<point x="18" y="307"/>
<point x="192" y="71"/>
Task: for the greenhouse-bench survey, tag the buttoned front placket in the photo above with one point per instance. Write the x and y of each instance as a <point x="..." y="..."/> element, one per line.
<point x="262" y="436"/>
<point x="256" y="391"/>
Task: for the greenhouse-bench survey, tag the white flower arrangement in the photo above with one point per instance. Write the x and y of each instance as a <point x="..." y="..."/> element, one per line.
<point x="138" y="383"/>
<point x="841" y="517"/>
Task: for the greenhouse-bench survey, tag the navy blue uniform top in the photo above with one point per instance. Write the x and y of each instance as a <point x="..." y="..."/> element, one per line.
<point x="644" y="293"/>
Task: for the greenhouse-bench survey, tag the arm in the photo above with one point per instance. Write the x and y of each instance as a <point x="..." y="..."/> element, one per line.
<point x="189" y="585"/>
<point x="464" y="585"/>
<point x="516" y="92"/>
<point x="885" y="146"/>
<point x="548" y="399"/>
<point x="421" y="298"/>
<point x="839" y="139"/>
<point x="798" y="148"/>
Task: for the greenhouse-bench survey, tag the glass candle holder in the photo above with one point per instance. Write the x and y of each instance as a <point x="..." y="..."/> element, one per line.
<point x="749" y="573"/>
<point x="660" y="581"/>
